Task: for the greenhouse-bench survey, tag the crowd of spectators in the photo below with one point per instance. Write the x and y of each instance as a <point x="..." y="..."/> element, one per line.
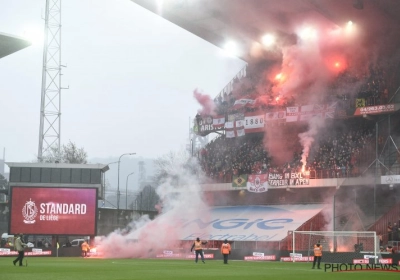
<point x="334" y="154"/>
<point x="340" y="152"/>
<point x="222" y="158"/>
<point x="356" y="88"/>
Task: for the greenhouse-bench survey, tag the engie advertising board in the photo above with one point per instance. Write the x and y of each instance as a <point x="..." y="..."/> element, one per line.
<point x="53" y="211"/>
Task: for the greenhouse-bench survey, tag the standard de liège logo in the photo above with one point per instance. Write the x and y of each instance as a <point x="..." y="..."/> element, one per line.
<point x="29" y="211"/>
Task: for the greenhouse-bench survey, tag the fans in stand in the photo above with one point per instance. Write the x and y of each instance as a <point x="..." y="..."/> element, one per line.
<point x="317" y="255"/>
<point x="333" y="156"/>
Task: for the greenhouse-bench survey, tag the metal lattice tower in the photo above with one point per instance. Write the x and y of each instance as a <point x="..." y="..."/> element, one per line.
<point x="50" y="107"/>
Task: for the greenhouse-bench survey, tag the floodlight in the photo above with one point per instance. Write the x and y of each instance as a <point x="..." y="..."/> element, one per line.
<point x="268" y="40"/>
<point x="308" y="33"/>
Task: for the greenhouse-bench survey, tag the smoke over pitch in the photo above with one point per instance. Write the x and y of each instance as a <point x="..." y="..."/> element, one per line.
<point x="180" y="198"/>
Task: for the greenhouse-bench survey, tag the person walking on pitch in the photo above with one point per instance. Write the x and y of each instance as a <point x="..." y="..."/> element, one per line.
<point x="20" y="247"/>
<point x="197" y="245"/>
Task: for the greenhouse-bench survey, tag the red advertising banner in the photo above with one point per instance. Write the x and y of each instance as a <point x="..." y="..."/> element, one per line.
<point x="297" y="259"/>
<point x="260" y="258"/>
<point x="386" y="261"/>
<point x="33" y="253"/>
<point x="53" y="211"/>
<point x="360" y="261"/>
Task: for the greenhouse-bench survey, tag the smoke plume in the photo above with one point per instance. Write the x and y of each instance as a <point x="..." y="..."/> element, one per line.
<point x="180" y="200"/>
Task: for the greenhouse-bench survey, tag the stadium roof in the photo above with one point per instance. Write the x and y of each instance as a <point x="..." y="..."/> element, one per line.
<point x="103" y="167"/>
<point x="246" y="21"/>
<point x="10" y="44"/>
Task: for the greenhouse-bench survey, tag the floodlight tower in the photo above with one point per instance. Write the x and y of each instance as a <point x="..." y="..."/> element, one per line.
<point x="50" y="105"/>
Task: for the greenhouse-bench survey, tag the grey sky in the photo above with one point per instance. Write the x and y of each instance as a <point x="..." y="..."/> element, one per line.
<point x="131" y="76"/>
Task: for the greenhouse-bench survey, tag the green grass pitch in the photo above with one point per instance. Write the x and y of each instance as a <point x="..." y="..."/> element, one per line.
<point x="52" y="268"/>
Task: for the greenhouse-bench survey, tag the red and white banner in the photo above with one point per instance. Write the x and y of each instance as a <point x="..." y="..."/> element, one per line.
<point x="234" y="129"/>
<point x="254" y="123"/>
<point x="206" y="256"/>
<point x="360" y="261"/>
<point x="257" y="183"/>
<point x="275" y="116"/>
<point x="15" y="253"/>
<point x="218" y="121"/>
<point x="240" y="103"/>
<point x="386" y="261"/>
<point x="302" y="259"/>
<point x="260" y="258"/>
<point x="306" y="112"/>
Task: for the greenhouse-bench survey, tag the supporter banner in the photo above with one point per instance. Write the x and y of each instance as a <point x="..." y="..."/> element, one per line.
<point x="390" y="179"/>
<point x="234" y="129"/>
<point x="278" y="179"/>
<point x="376" y="110"/>
<point x="235" y="117"/>
<point x="274" y="116"/>
<point x="240" y="103"/>
<point x="204" y="125"/>
<point x="254" y="123"/>
<point x="257" y="183"/>
<point x="218" y="121"/>
<point x="306" y="112"/>
<point x="239" y="181"/>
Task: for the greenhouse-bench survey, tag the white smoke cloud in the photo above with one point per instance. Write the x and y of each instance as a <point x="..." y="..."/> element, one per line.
<point x="181" y="199"/>
<point x="307" y="138"/>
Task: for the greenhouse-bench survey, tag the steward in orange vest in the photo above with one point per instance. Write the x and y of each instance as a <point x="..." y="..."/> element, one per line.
<point x="317" y="255"/>
<point x="85" y="248"/>
<point x="197" y="245"/>
<point x="225" y="250"/>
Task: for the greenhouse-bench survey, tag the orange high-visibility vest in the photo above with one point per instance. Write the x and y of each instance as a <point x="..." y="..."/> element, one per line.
<point x="317" y="250"/>
<point x="85" y="246"/>
<point x="225" y="248"/>
<point x="197" y="245"/>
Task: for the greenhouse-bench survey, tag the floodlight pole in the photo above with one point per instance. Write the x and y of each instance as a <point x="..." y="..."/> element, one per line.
<point x="119" y="163"/>
<point x="126" y="190"/>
